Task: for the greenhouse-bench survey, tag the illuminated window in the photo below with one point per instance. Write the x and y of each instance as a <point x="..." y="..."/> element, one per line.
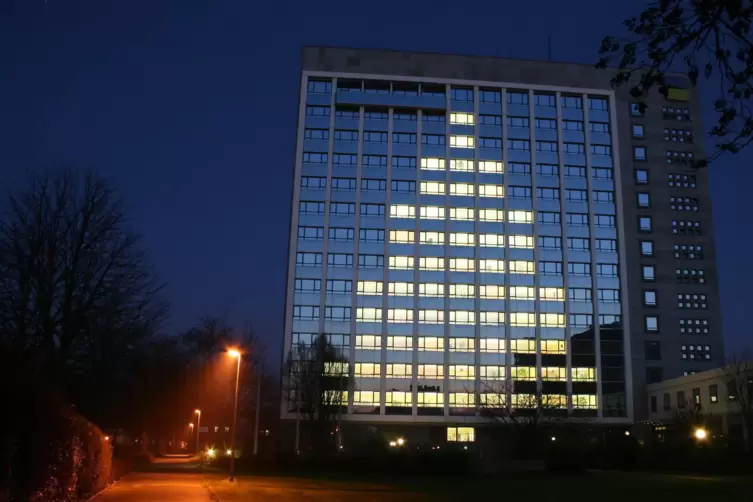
<point x="493" y="372"/>
<point x="400" y="343"/>
<point x="583" y="374"/>
<point x="431" y="316"/>
<point x="367" y="370"/>
<point x="461" y="213"/>
<point x="335" y="368"/>
<point x="462" y="371"/>
<point x="552" y="347"/>
<point x="400" y="315"/>
<point x="520" y="241"/>
<point x="336" y="397"/>
<point x="433" y="238"/>
<point x="402" y="236"/>
<point x="525" y="346"/>
<point x="401" y="288"/>
<point x="491" y="215"/>
<point x="490" y="166"/>
<point x="432" y="164"/>
<point x="398" y="398"/>
<point x="462" y="264"/>
<point x="370" y="287"/>
<point x="462" y="290"/>
<point x="429" y="399"/>
<point x="399" y="370"/>
<point x="462" y="239"/>
<point x="492" y="318"/>
<point x="552" y="320"/>
<point x="492" y="291"/>
<point x="430" y="371"/>
<point x="366" y="398"/>
<point x="430" y="263"/>
<point x="367" y="314"/>
<point x="432" y="188"/>
<point x="431" y="343"/>
<point x="462" y="344"/>
<point x="552" y="294"/>
<point x="432" y="213"/>
<point x="465" y="189"/>
<point x="492" y="240"/>
<point x="520" y="216"/>
<point x="522" y="293"/>
<point x="462" y="317"/>
<point x="461" y="118"/>
<point x="368" y="342"/>
<point x="521" y="267"/>
<point x="462" y="399"/>
<point x="492" y="266"/>
<point x="522" y="318"/>
<point x="402" y="211"/>
<point x="523" y="372"/>
<point x="553" y="401"/>
<point x="495" y="345"/>
<point x="461" y="141"/>
<point x="554" y="374"/>
<point x="401" y="262"/>
<point x="461" y="434"/>
<point x="493" y="191"/>
<point x="461" y="165"/>
<point x="431" y="289"/>
<point x="493" y="399"/>
<point x="584" y="401"/>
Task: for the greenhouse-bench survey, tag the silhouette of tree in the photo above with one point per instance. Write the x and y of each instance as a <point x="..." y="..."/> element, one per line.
<point x="712" y="38"/>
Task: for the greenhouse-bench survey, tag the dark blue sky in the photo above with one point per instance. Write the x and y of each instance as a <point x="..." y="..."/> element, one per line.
<point x="190" y="107"/>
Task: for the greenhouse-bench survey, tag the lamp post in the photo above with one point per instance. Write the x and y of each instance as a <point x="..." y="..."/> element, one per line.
<point x="236" y="354"/>
<point x="198" y="428"/>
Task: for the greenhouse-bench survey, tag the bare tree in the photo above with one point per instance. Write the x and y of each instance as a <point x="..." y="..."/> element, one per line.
<point x="75" y="287"/>
<point x="712" y="38"/>
<point x="522" y="412"/>
<point x="739" y="373"/>
<point x="318" y="382"/>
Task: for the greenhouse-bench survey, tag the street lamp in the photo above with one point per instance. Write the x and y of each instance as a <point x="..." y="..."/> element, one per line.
<point x="198" y="428"/>
<point x="236" y="354"/>
<point x="700" y="434"/>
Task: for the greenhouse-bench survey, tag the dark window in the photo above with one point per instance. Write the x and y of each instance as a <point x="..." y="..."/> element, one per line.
<point x="652" y="350"/>
<point x="666" y="401"/>
<point x="680" y="399"/>
<point x="320" y="86"/>
<point x="653" y="375"/>
<point x="654" y="407"/>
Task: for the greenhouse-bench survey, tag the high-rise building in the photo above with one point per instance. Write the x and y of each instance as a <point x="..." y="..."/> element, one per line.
<point x="474" y="232"/>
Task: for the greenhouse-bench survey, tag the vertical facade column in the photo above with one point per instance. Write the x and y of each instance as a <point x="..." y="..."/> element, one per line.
<point x="416" y="264"/>
<point x="565" y="251"/>
<point x="446" y="253"/>
<point x="536" y="280"/>
<point x="505" y="234"/>
<point x="594" y="268"/>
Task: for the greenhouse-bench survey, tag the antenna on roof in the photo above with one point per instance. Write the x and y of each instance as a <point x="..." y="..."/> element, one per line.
<point x="549" y="47"/>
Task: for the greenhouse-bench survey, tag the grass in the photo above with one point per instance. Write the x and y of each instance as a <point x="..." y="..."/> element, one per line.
<point x="585" y="487"/>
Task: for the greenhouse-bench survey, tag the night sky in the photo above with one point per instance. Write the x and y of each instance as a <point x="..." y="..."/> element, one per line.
<point x="190" y="106"/>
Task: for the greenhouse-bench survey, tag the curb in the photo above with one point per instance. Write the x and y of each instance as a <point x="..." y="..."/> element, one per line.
<point x="214" y="495"/>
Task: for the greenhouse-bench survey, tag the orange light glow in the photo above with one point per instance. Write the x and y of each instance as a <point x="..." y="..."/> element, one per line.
<point x="197" y="411"/>
<point x="234" y="353"/>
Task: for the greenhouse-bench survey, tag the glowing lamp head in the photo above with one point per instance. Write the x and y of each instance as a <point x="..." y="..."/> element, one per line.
<point x="700" y="434"/>
<point x="400" y="441"/>
<point x="210" y="452"/>
<point x="197" y="411"/>
<point x="229" y="452"/>
<point x="234" y="353"/>
<point x="393" y="443"/>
